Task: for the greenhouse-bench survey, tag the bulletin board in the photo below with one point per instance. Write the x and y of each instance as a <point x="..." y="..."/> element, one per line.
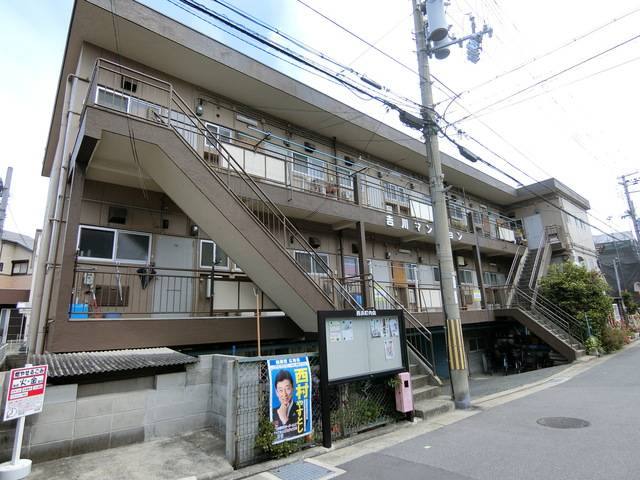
<point x="361" y="344"/>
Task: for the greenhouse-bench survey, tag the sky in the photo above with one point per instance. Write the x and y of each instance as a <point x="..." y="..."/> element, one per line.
<point x="578" y="124"/>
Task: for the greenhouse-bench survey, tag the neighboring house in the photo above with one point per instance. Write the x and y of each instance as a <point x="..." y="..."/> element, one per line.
<point x="16" y="268"/>
<point x="204" y="184"/>
<point x="619" y="259"/>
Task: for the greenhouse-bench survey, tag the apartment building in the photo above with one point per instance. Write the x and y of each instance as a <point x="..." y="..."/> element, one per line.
<point x="204" y="189"/>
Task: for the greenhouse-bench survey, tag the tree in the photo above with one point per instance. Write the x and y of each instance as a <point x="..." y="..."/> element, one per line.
<point x="580" y="292"/>
<point x="630" y="303"/>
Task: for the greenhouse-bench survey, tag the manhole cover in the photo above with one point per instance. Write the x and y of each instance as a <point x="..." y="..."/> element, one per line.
<point x="562" y="422"/>
<point x="301" y="471"/>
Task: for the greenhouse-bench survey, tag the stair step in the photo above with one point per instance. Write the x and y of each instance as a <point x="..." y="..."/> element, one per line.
<point x="425" y="393"/>
<point x="414" y="369"/>
<point x="418" y="381"/>
<point x="427" y="409"/>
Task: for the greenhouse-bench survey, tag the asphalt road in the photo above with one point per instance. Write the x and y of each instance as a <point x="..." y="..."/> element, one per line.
<point x="505" y="442"/>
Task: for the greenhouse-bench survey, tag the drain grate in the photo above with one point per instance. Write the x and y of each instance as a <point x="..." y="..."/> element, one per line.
<point x="301" y="471"/>
<point x="562" y="422"/>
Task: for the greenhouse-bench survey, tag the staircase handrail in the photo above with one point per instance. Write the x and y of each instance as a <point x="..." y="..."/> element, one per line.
<point x="513" y="268"/>
<point x="534" y="268"/>
<point x="568" y="324"/>
<point x="176" y="100"/>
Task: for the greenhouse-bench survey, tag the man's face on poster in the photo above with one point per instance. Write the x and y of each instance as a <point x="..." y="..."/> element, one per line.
<point x="284" y="391"/>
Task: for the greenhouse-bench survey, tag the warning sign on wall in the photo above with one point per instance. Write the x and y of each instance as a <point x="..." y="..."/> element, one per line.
<point x="25" y="394"/>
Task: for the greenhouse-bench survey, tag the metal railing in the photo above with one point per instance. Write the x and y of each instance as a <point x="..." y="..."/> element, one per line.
<point x="157" y="101"/>
<point x="542" y="308"/>
<point x="144" y="292"/>
<point x="419" y="338"/>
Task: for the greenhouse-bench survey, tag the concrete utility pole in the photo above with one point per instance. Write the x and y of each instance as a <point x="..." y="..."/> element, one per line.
<point x="5" y="187"/>
<point x="448" y="284"/>
<point x="632" y="209"/>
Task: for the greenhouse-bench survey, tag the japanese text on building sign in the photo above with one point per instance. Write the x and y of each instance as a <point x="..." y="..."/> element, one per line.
<point x="25" y="395"/>
<point x="290" y="399"/>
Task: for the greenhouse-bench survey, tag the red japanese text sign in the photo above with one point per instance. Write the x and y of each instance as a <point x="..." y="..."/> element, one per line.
<point x="25" y="393"/>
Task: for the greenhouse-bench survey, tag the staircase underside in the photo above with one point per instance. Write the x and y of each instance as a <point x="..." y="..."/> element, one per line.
<point x="545" y="333"/>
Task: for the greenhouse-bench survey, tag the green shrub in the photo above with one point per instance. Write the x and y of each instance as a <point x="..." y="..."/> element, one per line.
<point x="612" y="339"/>
<point x="593" y="345"/>
<point x="266" y="436"/>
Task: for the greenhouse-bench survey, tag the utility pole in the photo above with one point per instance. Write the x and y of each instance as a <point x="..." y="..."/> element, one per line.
<point x="5" y="187"/>
<point x="448" y="284"/>
<point x="632" y="209"/>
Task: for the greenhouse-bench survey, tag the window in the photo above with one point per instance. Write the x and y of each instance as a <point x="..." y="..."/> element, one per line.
<point x="457" y="210"/>
<point x="436" y="274"/>
<point x="411" y="271"/>
<point x="132" y="247"/>
<point x="19" y="267"/>
<point x="394" y="193"/>
<point x="95" y="243"/>
<point x="218" y="132"/>
<point x="466" y="276"/>
<point x="310" y="166"/>
<point x="351" y="266"/>
<point x="207" y="251"/>
<point x="129" y="84"/>
<point x="311" y="264"/>
<point x="112" y="99"/>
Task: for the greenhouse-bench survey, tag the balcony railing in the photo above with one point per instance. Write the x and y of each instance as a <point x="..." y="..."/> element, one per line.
<point x="268" y="161"/>
<point x="111" y="292"/>
<point x="137" y="94"/>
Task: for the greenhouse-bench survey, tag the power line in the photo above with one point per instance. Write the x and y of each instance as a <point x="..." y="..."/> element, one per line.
<point x="550" y="52"/>
<point x="384" y="101"/>
<point x="568" y="84"/>
<point x="385" y="54"/>
<point x="550" y="77"/>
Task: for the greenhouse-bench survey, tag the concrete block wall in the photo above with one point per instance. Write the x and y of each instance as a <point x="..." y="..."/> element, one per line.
<point x="88" y="417"/>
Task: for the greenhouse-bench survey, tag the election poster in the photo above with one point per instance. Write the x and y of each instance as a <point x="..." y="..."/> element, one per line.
<point x="290" y="399"/>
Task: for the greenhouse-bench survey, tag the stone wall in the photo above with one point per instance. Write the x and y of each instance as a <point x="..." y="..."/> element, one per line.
<point x="88" y="417"/>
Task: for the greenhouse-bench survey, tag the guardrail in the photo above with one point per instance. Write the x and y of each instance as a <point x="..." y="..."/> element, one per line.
<point x="103" y="292"/>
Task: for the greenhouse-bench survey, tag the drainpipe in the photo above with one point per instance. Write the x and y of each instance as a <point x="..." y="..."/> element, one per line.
<point x="42" y="284"/>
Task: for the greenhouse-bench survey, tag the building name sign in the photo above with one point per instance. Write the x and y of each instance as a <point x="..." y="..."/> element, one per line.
<point x="419" y="227"/>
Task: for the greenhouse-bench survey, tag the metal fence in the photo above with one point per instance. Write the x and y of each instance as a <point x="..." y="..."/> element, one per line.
<point x="355" y="407"/>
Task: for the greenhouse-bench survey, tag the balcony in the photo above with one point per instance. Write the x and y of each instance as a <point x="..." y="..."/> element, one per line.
<point x="280" y="162"/>
<point x="117" y="292"/>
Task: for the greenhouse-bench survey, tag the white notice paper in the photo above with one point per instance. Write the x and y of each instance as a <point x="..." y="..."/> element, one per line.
<point x="347" y="330"/>
<point x="335" y="331"/>
<point x="389" y="350"/>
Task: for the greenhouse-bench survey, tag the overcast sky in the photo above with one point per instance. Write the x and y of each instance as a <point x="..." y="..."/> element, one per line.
<point x="579" y="127"/>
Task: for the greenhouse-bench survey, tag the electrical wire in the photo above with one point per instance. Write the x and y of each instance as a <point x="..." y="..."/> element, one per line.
<point x="550" y="52"/>
<point x="309" y="49"/>
<point x="359" y="87"/>
<point x="550" y="77"/>
<point x="395" y="107"/>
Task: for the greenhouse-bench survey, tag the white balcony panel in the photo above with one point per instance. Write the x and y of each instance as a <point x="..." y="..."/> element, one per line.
<point x="421" y="210"/>
<point x="275" y="169"/>
<point x="254" y="163"/>
<point x="225" y="295"/>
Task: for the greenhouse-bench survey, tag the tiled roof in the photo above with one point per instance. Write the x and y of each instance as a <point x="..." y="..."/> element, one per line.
<point x="86" y="363"/>
<point x="24" y="240"/>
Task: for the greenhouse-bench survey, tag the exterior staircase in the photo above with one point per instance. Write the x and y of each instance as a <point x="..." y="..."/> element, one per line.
<point x="174" y="147"/>
<point x="428" y="401"/>
<point x="522" y="301"/>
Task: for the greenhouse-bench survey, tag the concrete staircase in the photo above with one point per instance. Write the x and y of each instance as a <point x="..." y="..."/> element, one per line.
<point x="428" y="402"/>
